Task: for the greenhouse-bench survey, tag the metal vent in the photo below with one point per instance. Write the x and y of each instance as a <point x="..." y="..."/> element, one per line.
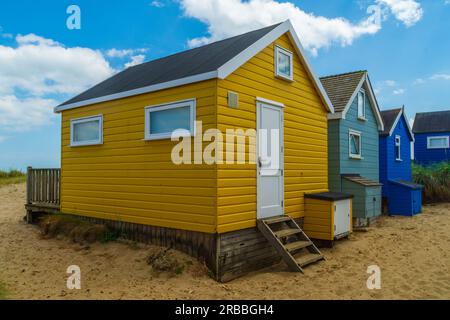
<point x="233" y="99"/>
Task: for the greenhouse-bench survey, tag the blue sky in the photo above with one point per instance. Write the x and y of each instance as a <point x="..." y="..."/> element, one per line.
<point x="43" y="63"/>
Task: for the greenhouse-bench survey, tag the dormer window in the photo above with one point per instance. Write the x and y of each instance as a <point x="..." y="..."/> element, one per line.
<point x="283" y="64"/>
<point x="362" y="105"/>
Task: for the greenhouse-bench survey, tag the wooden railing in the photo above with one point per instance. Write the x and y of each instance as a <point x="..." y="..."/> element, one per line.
<point x="43" y="187"/>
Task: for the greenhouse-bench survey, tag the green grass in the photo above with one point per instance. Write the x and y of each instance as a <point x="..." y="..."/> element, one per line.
<point x="436" y="182"/>
<point x="12" y="177"/>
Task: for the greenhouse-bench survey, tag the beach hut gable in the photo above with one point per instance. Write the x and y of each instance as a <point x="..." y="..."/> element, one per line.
<point x="353" y="142"/>
<point x="400" y="195"/>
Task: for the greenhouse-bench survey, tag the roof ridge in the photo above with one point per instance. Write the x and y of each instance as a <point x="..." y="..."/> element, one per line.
<point x="430" y="112"/>
<point x="393" y="109"/>
<point x="209" y="44"/>
<point x="343" y="74"/>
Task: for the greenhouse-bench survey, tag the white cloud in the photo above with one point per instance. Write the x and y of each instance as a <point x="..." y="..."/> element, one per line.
<point x="226" y="18"/>
<point x="440" y="76"/>
<point x="398" y="92"/>
<point x="121" y="53"/>
<point x="407" y="11"/>
<point x="157" y="4"/>
<point x="38" y="68"/>
<point x="3" y="139"/>
<point x="23" y="114"/>
<point x="419" y="81"/>
<point x="41" y="66"/>
<point x="135" y="60"/>
<point x="390" y="83"/>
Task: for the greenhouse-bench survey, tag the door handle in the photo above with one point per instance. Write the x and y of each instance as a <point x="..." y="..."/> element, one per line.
<point x="259" y="162"/>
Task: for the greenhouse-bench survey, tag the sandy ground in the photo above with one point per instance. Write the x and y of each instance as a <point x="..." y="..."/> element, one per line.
<point x="413" y="254"/>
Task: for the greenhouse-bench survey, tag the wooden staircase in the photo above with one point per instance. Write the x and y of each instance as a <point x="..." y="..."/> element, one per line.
<point x="293" y="245"/>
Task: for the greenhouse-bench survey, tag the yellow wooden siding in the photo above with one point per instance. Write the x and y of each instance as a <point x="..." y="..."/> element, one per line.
<point x="305" y="137"/>
<point x="319" y="223"/>
<point x="128" y="179"/>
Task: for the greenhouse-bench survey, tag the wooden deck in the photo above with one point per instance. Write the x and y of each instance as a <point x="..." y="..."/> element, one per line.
<point x="43" y="191"/>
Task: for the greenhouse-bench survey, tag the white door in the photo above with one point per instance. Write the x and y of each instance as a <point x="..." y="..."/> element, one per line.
<point x="270" y="163"/>
<point x="341" y="217"/>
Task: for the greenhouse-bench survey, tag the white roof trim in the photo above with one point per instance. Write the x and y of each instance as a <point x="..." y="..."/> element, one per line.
<point x="372" y="98"/>
<point x="402" y="114"/>
<point x="224" y="71"/>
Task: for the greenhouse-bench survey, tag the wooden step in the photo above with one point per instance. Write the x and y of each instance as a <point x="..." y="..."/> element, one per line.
<point x="277" y="220"/>
<point x="297" y="245"/>
<point x="275" y="238"/>
<point x="308" y="259"/>
<point x="286" y="232"/>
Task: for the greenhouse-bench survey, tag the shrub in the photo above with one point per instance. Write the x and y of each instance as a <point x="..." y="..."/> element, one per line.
<point x="11" y="177"/>
<point x="165" y="260"/>
<point x="76" y="229"/>
<point x="436" y="182"/>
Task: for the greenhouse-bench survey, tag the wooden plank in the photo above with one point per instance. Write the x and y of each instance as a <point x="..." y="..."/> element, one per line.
<point x="277" y="220"/>
<point x="286" y="233"/>
<point x="308" y="259"/>
<point x="297" y="245"/>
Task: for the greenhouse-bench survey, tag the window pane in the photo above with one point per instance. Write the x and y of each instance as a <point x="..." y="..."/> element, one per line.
<point x="86" y="131"/>
<point x="354" y="144"/>
<point x="397" y="152"/>
<point x="284" y="64"/>
<point x="167" y="121"/>
<point x="438" y="143"/>
<point x="360" y="104"/>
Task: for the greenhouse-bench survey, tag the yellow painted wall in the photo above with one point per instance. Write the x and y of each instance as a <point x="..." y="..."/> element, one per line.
<point x="319" y="223"/>
<point x="305" y="137"/>
<point x="128" y="179"/>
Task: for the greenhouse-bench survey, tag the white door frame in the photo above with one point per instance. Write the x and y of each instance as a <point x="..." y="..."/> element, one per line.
<point x="275" y="105"/>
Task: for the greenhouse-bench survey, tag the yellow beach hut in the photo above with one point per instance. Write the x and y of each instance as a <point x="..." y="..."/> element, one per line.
<point x="121" y="166"/>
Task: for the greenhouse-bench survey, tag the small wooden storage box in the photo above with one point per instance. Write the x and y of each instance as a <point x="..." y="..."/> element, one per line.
<point x="328" y="215"/>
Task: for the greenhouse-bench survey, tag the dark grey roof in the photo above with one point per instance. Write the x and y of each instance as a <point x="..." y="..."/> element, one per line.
<point x="389" y="117"/>
<point x="329" y="196"/>
<point x="432" y="122"/>
<point x="188" y="63"/>
<point x="341" y="87"/>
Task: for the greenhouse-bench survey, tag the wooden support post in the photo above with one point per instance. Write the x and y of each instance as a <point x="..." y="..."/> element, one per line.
<point x="29" y="216"/>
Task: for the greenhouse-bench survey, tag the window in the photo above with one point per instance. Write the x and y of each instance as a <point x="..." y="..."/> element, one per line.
<point x="355" y="144"/>
<point x="283" y="63"/>
<point x="398" y="152"/>
<point x="438" y="142"/>
<point x="162" y="120"/>
<point x="361" y="105"/>
<point x="86" y="131"/>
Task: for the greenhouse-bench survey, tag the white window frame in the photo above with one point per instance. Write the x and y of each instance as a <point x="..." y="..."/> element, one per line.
<point x="437" y="137"/>
<point x="363" y="116"/>
<point x="398" y="145"/>
<point x="90" y="142"/>
<point x="191" y="103"/>
<point x="350" y="154"/>
<point x="279" y="50"/>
